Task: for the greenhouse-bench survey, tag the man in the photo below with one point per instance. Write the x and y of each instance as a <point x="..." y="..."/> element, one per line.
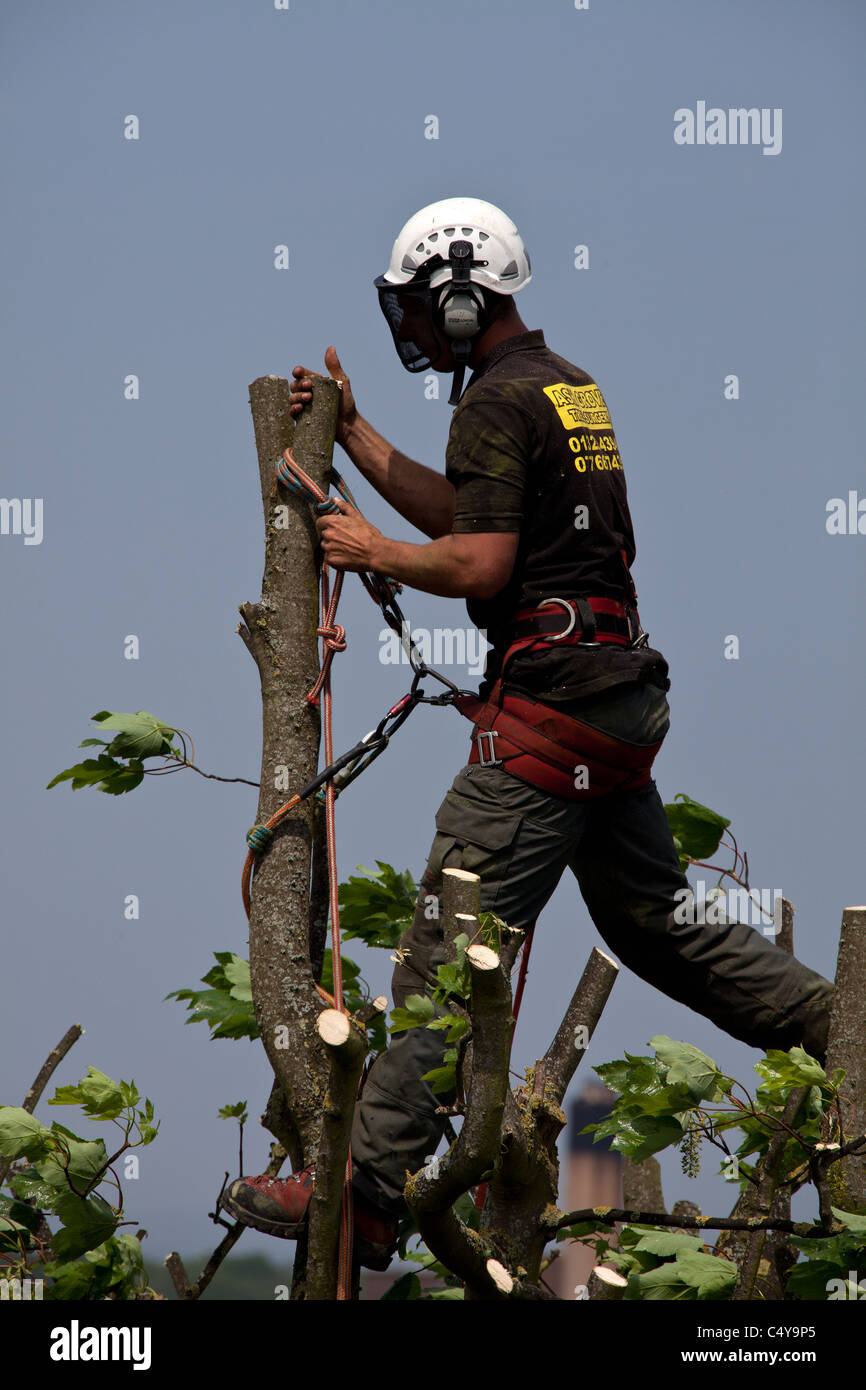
<point x="531" y="525"/>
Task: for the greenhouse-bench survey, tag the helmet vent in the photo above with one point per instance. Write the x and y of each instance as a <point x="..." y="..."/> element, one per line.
<point x="434" y="236"/>
<point x="467" y="231"/>
<point x="449" y="231"/>
<point x="509" y="272"/>
<point x="483" y="236"/>
<point x="409" y="263"/>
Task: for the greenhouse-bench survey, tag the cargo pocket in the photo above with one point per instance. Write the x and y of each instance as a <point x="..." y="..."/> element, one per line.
<point x="477" y="838"/>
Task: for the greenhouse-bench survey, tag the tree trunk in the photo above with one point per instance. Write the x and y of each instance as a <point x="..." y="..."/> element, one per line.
<point x="846" y="1047"/>
<point x="280" y="633"/>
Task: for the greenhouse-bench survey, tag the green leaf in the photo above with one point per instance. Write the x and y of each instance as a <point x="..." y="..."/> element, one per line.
<point x="440" y="1294"/>
<point x="408" y="1286"/>
<point x="644" y="1135"/>
<point x="851" y="1220"/>
<point x="783" y="1071"/>
<point x="139" y="735"/>
<point x="237" y="973"/>
<point x="82" y="1164"/>
<point x="22" y="1136"/>
<point x="689" y="1067"/>
<point x="665" y="1243"/>
<point x="377" y="909"/>
<point x="809" y="1280"/>
<point x="236" y="1111"/>
<point x="97" y="1094"/>
<point x="102" y="772"/>
<point x="456" y="1026"/>
<point x="442" y="1080"/>
<point x="223" y="1007"/>
<point x="17" y="1216"/>
<point x="712" y="1276"/>
<point x="86" y="1224"/>
<point x="115" y="1267"/>
<point x="350" y="970"/>
<point x="662" y="1283"/>
<point x="31" y="1188"/>
<point x="580" y="1230"/>
<point x="697" y="829"/>
<point x="419" y="1009"/>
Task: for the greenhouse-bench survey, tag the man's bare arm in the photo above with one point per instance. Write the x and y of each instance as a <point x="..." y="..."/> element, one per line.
<point x="424" y="497"/>
<point x="462" y="565"/>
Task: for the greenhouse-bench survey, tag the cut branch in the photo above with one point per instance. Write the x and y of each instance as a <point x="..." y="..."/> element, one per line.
<point x="567" y="1049"/>
<point x="430" y="1192"/>
<point x="346" y="1044"/>
<point x="846" y="1047"/>
<point x="49" y="1066"/>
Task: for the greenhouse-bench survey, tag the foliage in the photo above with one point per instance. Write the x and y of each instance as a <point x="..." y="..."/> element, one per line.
<point x="452" y="988"/>
<point x="59" y="1174"/>
<point x="678" y="1097"/>
<point x="681" y="1094"/>
<point x="697" y="830"/>
<point x="834" y="1257"/>
<point x="120" y="767"/>
<point x="227" y="1005"/>
<point x="671" y="1266"/>
<point x="377" y="909"/>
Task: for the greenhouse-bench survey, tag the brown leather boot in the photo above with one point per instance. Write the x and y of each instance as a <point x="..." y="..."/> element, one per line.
<point x="280" y="1207"/>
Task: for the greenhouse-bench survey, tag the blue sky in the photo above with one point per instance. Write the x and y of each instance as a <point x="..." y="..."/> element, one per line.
<point x="155" y="257"/>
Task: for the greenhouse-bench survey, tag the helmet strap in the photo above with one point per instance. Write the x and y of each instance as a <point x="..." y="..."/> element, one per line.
<point x="462" y="351"/>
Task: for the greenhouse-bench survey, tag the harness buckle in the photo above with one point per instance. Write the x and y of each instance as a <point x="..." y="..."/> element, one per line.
<point x="572" y="617"/>
<point x="571" y="607"/>
<point x="487" y="758"/>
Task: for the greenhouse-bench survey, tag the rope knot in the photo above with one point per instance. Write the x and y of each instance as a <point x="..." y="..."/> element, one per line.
<point x="334" y="637"/>
<point x="328" y="504"/>
<point x="258" y="838"/>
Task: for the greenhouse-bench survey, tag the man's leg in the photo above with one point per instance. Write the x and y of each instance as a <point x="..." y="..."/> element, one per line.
<point x="628" y="872"/>
<point x="519" y="841"/>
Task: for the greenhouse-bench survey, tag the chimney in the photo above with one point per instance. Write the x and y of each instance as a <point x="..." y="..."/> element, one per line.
<point x="591" y="1176"/>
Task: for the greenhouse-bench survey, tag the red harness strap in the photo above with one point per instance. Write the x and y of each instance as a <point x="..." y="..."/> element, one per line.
<point x="548" y="749"/>
<point x="545" y="747"/>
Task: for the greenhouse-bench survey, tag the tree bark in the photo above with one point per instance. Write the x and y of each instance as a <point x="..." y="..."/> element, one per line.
<point x="846" y="1047"/>
<point x="520" y="1205"/>
<point x="280" y="633"/>
<point x="346" y="1044"/>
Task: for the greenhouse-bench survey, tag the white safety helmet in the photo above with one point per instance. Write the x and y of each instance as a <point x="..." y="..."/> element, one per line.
<point x="445" y="257"/>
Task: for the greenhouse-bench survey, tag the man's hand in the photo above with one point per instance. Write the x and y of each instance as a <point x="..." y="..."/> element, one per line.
<point x="301" y="392"/>
<point x="348" y="540"/>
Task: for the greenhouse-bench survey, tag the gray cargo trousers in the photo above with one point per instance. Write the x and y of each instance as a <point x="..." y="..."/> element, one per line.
<point x="620" y="849"/>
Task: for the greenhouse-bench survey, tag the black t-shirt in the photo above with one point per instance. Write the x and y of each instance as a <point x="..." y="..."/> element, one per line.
<point x="532" y="449"/>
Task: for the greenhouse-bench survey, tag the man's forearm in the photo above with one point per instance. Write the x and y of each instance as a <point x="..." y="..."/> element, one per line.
<point x="437" y="568"/>
<point x="425" y="498"/>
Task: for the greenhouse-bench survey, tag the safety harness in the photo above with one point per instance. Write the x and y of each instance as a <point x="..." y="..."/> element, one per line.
<point x="539" y="743"/>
